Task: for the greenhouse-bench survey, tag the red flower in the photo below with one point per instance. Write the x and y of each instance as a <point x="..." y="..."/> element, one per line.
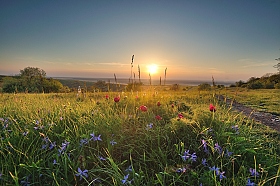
<point x="158" y="117"/>
<point x="180" y="116"/>
<point x="212" y="108"/>
<point x="158" y="103"/>
<point x="143" y="108"/>
<point x="172" y="105"/>
<point x="107" y="97"/>
<point x="117" y="99"/>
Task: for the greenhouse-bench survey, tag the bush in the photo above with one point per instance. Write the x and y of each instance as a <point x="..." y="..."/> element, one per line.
<point x="204" y="86"/>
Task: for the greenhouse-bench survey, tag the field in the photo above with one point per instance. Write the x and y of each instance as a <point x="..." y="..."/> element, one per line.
<point x="136" y="138"/>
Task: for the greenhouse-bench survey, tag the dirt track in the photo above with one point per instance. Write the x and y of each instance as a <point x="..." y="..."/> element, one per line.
<point x="265" y="118"/>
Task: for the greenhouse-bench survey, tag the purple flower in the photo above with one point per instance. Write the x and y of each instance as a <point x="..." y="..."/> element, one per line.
<point x="216" y="169"/>
<point x="221" y="175"/>
<point x="83" y="141"/>
<point x="181" y="170"/>
<point x="249" y="183"/>
<point x="52" y="145"/>
<point x="228" y="154"/>
<point x="25" y="133"/>
<point x="204" y="143"/>
<point x="112" y="142"/>
<point x="63" y="147"/>
<point x="44" y="146"/>
<point x="82" y="173"/>
<point x="54" y="162"/>
<point x="193" y="157"/>
<point x="254" y="172"/>
<point x="218" y="148"/>
<point x="204" y="162"/>
<point x="124" y="180"/>
<point x="95" y="138"/>
<point x="129" y="169"/>
<point x="186" y="155"/>
<point x="149" y="126"/>
<point x="101" y="158"/>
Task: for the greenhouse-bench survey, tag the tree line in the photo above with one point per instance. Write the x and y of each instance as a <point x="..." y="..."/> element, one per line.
<point x="32" y="80"/>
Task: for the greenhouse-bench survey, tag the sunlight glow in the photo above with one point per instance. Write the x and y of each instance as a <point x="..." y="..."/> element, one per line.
<point x="152" y="69"/>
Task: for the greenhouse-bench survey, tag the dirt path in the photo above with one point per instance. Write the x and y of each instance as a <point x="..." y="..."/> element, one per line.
<point x="265" y="118"/>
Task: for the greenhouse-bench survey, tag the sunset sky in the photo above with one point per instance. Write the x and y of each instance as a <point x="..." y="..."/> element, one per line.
<point x="193" y="39"/>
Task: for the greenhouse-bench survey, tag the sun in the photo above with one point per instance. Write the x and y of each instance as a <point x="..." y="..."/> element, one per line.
<point x="152" y="69"/>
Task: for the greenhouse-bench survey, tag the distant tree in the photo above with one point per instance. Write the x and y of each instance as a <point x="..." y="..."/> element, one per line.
<point x="277" y="65"/>
<point x="204" y="86"/>
<point x="239" y="83"/>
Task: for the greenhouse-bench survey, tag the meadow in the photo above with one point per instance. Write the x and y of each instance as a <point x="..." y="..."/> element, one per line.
<point x="150" y="137"/>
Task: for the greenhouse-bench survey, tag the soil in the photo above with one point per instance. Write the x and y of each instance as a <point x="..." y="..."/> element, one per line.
<point x="266" y="118"/>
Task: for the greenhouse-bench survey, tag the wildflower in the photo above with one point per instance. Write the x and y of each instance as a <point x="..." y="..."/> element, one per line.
<point x="52" y="145"/>
<point x="182" y="170"/>
<point x="218" y="148"/>
<point x="204" y="143"/>
<point x="204" y="162"/>
<point x="124" y="180"/>
<point x="83" y="141"/>
<point x="158" y="104"/>
<point x="54" y="162"/>
<point x="212" y="108"/>
<point x="143" y="108"/>
<point x="106" y="96"/>
<point x="61" y="118"/>
<point x="254" y="172"/>
<point x="150" y="125"/>
<point x="221" y="175"/>
<point x="172" y="105"/>
<point x="216" y="169"/>
<point x="249" y="183"/>
<point x="95" y="138"/>
<point x="228" y="154"/>
<point x="193" y="157"/>
<point x="44" y="146"/>
<point x="180" y="116"/>
<point x="235" y="127"/>
<point x="186" y="155"/>
<point x="25" y="133"/>
<point x="129" y="169"/>
<point x="117" y="99"/>
<point x="112" y="142"/>
<point x="63" y="147"/>
<point x="101" y="158"/>
<point x="158" y="117"/>
<point x="82" y="173"/>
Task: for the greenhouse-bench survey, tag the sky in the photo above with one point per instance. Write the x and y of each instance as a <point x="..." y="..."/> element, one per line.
<point x="190" y="39"/>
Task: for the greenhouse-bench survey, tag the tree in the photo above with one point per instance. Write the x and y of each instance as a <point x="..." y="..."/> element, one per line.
<point x="277" y="65"/>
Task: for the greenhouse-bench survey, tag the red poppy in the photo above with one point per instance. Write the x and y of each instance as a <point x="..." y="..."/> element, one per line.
<point x="158" y="117"/>
<point x="158" y="103"/>
<point x="117" y="99"/>
<point x="212" y="108"/>
<point x="107" y="97"/>
<point x="172" y="105"/>
<point x="180" y="116"/>
<point x="143" y="108"/>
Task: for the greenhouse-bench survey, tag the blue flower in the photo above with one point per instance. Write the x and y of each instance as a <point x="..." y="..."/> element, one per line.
<point x="54" y="162"/>
<point x="101" y="158"/>
<point x="218" y="148"/>
<point x="204" y="162"/>
<point x="253" y="172"/>
<point x="249" y="183"/>
<point x="181" y="170"/>
<point x="149" y="126"/>
<point x="129" y="169"/>
<point x="204" y="143"/>
<point x="95" y="138"/>
<point x="83" y="141"/>
<point x="221" y="175"/>
<point x="52" y="145"/>
<point x="112" y="142"/>
<point x="82" y="173"/>
<point x="124" y="180"/>
<point x="228" y="154"/>
<point x="186" y="155"/>
<point x="193" y="157"/>
<point x="25" y="133"/>
<point x="216" y="169"/>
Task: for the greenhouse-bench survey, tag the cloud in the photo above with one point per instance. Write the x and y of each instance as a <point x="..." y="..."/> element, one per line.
<point x="258" y="64"/>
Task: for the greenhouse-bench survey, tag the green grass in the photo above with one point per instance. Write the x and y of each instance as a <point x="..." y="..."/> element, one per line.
<point x="136" y="148"/>
<point x="262" y="99"/>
